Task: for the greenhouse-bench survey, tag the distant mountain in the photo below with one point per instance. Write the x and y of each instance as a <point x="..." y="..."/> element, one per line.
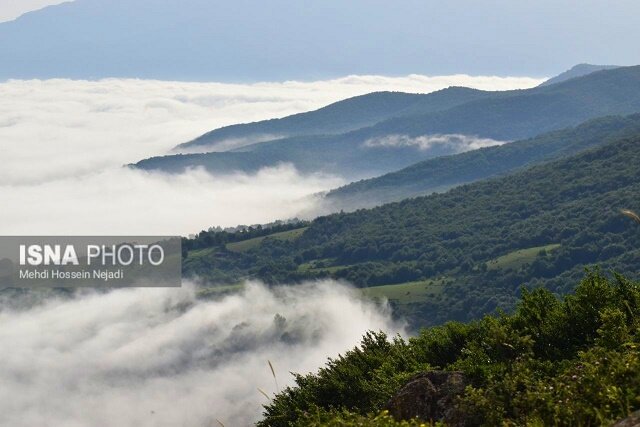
<point x="577" y="71"/>
<point x="351" y="114"/>
<point x="346" y="155"/>
<point x="398" y="142"/>
<point x="463" y="253"/>
<point x="339" y="117"/>
<point x="526" y="113"/>
<point x="442" y="173"/>
<point x="250" y="40"/>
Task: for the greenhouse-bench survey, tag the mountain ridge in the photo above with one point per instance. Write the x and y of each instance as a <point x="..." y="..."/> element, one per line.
<point x="578" y="70"/>
<point x="501" y="117"/>
<point x="339" y="117"/>
<point x="248" y="41"/>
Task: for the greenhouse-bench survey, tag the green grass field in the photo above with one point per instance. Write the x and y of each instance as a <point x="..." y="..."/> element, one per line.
<point x="198" y="253"/>
<point x="404" y="293"/>
<point x="320" y="266"/>
<point x="249" y="244"/>
<point x="516" y="259"/>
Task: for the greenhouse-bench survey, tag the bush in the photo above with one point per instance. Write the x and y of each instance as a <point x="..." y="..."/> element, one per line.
<point x="553" y="362"/>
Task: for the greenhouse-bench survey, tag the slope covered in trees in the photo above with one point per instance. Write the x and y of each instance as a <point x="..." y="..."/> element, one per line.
<point x="446" y="172"/>
<point x="469" y="250"/>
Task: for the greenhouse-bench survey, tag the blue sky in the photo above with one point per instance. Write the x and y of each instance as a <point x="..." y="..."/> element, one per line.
<point x="251" y="40"/>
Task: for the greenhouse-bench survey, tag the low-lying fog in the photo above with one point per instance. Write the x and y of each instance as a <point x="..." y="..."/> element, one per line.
<point x="63" y="144"/>
<point x="159" y="357"/>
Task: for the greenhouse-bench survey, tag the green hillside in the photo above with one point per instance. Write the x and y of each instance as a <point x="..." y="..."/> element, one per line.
<point x="442" y="173"/>
<point x="574" y="203"/>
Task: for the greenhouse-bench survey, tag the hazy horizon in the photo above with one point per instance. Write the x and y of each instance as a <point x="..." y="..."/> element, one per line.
<point x="167" y="40"/>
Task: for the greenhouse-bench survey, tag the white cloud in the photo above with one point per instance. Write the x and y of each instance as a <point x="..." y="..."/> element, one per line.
<point x="11" y="9"/>
<point x="63" y="144"/>
<point x="454" y="142"/>
<point x="133" y="202"/>
<point x="159" y="357"/>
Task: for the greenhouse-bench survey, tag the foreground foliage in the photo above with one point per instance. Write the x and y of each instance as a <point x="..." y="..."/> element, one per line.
<point x="574" y="361"/>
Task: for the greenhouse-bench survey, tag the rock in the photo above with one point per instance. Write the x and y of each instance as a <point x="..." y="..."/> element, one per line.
<point x="430" y="396"/>
<point x="632" y="420"/>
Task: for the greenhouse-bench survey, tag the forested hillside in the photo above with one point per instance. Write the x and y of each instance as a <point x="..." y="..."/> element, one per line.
<point x="466" y="252"/>
<point x="442" y="173"/>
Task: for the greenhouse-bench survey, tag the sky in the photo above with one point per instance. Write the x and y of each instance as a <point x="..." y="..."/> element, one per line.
<point x="250" y="40"/>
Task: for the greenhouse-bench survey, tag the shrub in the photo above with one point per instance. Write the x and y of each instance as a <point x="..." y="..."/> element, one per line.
<point x="553" y="362"/>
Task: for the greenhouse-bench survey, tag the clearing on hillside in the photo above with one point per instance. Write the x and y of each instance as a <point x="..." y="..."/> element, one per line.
<point x="246" y="245"/>
<point x="409" y="292"/>
<point x="517" y="259"/>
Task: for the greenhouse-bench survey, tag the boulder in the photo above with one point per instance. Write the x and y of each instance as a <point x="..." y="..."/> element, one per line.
<point x="429" y="396"/>
<point x="632" y="420"/>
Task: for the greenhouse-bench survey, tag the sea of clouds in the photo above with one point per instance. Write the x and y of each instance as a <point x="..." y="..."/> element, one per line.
<point x="161" y="357"/>
<point x="63" y="144"/>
